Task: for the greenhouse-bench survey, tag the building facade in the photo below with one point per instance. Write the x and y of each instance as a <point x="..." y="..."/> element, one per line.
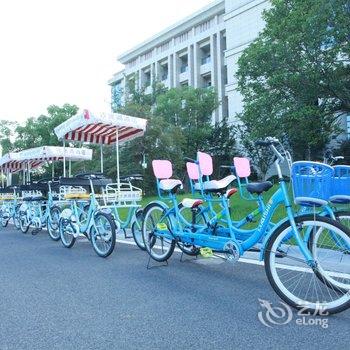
<point x="202" y="50"/>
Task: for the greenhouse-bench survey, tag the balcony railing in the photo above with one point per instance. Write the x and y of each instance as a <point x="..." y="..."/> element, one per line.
<point x="206" y="60"/>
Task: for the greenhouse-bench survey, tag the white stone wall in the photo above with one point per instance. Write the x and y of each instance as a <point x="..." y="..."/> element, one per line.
<point x="243" y="22"/>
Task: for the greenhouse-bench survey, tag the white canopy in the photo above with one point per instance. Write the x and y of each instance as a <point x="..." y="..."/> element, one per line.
<point x="101" y="129"/>
<point x="39" y="155"/>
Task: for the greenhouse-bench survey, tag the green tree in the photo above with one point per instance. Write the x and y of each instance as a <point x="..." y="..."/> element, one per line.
<point x="295" y="77"/>
<point x="189" y="109"/>
<point x="39" y="131"/>
<point x="7" y="133"/>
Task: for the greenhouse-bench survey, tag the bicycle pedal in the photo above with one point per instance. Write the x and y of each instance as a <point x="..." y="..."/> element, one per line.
<point x="206" y="252"/>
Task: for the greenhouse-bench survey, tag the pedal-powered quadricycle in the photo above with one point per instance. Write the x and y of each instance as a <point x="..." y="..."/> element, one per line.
<point x="9" y="195"/>
<point x="43" y="200"/>
<point x="121" y="198"/>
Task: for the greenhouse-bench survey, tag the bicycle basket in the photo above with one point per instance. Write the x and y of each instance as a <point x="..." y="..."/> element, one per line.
<point x="312" y="183"/>
<point x="341" y="184"/>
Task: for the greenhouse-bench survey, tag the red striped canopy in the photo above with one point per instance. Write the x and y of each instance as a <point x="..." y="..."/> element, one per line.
<point x="101" y="129"/>
<point x="10" y="162"/>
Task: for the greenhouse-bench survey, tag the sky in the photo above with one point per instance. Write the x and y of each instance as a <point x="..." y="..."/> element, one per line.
<point x="64" y="51"/>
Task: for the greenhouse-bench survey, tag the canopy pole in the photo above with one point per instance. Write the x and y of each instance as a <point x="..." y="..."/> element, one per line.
<point x="64" y="158"/>
<point x="101" y="155"/>
<point x="70" y="168"/>
<point x="28" y="172"/>
<point x="117" y="150"/>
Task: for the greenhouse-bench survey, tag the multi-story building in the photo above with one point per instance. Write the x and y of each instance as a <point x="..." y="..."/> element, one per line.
<point x="201" y="50"/>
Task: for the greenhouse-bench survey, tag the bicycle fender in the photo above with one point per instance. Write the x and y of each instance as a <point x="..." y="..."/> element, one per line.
<point x="162" y="204"/>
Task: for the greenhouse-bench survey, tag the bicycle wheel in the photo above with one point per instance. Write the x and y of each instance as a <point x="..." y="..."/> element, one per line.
<point x="4" y="221"/>
<point x="298" y="284"/>
<point x="331" y="247"/>
<point x="53" y="223"/>
<point x="16" y="219"/>
<point x="160" y="248"/>
<point x="136" y="229"/>
<point x="200" y="219"/>
<point x="66" y="233"/>
<point x="24" y="223"/>
<point x="102" y="234"/>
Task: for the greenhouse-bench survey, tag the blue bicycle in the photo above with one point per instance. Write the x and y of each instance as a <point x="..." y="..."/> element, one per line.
<point x="314" y="278"/>
<point x="91" y="220"/>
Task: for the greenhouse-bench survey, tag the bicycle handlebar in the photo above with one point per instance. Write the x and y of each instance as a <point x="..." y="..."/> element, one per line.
<point x="269" y="141"/>
<point x="187" y="159"/>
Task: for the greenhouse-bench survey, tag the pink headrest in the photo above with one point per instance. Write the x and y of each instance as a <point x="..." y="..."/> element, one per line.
<point x="162" y="169"/>
<point x="192" y="171"/>
<point x="242" y="166"/>
<point x="206" y="163"/>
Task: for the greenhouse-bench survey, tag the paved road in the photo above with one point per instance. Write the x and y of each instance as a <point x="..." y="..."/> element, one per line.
<point x="53" y="297"/>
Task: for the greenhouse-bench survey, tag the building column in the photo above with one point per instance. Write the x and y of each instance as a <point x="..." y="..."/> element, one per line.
<point x="139" y="83"/>
<point x="220" y="65"/>
<point x="170" y="71"/>
<point x="190" y="66"/>
<point x="196" y="66"/>
<point x="124" y="92"/>
<point x="213" y="69"/>
<point x="175" y="70"/>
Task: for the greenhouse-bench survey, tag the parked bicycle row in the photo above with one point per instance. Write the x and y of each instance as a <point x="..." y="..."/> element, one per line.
<point x="306" y="253"/>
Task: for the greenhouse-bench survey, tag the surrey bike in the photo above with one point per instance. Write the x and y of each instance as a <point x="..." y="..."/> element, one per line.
<point x="39" y="207"/>
<point x="293" y="270"/>
<point x="9" y="206"/>
<point x="91" y="220"/>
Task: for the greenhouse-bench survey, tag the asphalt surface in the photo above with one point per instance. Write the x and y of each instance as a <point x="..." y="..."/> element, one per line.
<point x="58" y="298"/>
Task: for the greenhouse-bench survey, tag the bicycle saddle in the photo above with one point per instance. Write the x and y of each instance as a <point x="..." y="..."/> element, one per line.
<point x="216" y="185"/>
<point x="259" y="187"/>
<point x="170" y="184"/>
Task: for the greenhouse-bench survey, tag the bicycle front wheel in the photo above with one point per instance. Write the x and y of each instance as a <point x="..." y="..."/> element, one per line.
<point x="66" y="233"/>
<point x="53" y="223"/>
<point x="159" y="246"/>
<point x="102" y="234"/>
<point x="16" y="217"/>
<point x="300" y="285"/>
<point x="24" y="223"/>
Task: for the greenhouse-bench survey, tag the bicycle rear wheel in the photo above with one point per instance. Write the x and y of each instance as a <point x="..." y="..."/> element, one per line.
<point x="300" y="285"/>
<point x="136" y="229"/>
<point x="159" y="247"/>
<point x="200" y="219"/>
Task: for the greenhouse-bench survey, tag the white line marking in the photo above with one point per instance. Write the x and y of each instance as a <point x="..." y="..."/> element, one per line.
<point x="241" y="259"/>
